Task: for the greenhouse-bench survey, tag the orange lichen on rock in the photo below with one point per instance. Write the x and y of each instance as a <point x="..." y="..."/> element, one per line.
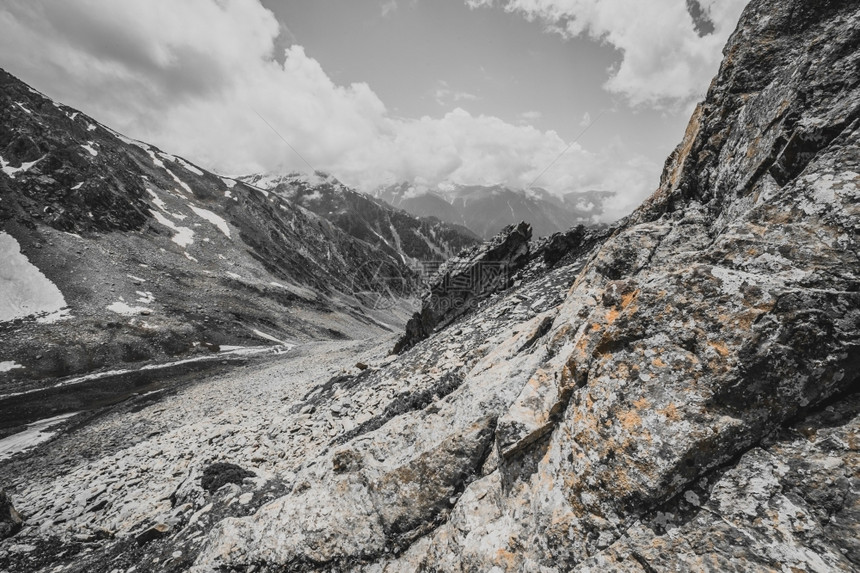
<point x="720" y="347"/>
<point x="629" y="419"/>
<point x="671" y="412"/>
<point x="612" y="315"/>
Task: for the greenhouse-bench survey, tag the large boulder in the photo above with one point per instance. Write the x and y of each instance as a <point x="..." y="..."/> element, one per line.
<point x="11" y="521"/>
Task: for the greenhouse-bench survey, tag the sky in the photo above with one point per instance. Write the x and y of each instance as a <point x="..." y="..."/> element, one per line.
<point x="568" y="95"/>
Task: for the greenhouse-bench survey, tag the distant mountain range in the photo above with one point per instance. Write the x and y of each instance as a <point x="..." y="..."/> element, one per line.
<point x="485" y="210"/>
<point x="408" y="237"/>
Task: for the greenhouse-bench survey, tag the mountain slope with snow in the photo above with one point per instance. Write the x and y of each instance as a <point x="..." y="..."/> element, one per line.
<point x="117" y="253"/>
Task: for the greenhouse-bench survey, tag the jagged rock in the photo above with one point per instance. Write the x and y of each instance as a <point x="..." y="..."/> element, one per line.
<point x="467" y="279"/>
<point x="11" y="521"/>
<point x="571" y="244"/>
<point x="221" y="473"/>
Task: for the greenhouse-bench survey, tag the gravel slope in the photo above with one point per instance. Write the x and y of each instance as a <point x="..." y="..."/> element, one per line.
<point x="120" y="472"/>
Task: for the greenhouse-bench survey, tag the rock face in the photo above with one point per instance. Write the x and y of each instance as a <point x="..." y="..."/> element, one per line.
<point x="682" y="395"/>
<point x="466" y="279"/>
<point x="671" y="411"/>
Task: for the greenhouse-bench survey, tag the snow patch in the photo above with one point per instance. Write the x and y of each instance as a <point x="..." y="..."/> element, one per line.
<point x="8" y="365"/>
<point x="19" y="104"/>
<point x="234" y="276"/>
<point x="122" y="308"/>
<point x="228" y="182"/>
<point x="89" y="147"/>
<point x="78" y="186"/>
<point x="24" y="290"/>
<point x="35" y="434"/>
<point x="91" y="127"/>
<point x="178" y="180"/>
<point x="183" y="237"/>
<point x="134" y="278"/>
<point x="188" y="166"/>
<point x="12" y="171"/>
<point x="212" y="218"/>
<point x="145" y="297"/>
<point x="270" y="337"/>
<point x="53" y="317"/>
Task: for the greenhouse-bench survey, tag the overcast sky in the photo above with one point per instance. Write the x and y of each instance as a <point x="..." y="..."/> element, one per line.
<point x="375" y="91"/>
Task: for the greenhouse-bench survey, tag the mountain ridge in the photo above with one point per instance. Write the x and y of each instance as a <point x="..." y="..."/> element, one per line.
<point x="414" y="239"/>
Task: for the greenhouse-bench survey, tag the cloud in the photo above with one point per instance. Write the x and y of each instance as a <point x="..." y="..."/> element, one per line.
<point x="388" y="7"/>
<point x="444" y="95"/>
<point x="192" y="76"/>
<point x="531" y="115"/>
<point x="667" y="55"/>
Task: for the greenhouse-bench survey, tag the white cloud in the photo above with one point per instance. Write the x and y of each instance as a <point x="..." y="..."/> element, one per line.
<point x="388" y="7"/>
<point x="664" y="61"/>
<point x="191" y="77"/>
<point x="444" y="95"/>
<point x="531" y="115"/>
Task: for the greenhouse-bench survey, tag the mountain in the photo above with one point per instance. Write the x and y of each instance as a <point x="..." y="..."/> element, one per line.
<point x="677" y="392"/>
<point x="117" y="254"/>
<point x="487" y="209"/>
<point x="394" y="231"/>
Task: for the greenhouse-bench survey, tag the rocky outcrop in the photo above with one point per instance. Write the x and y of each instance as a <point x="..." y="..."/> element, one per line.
<point x="466" y="279"/>
<point x="10" y="520"/>
<point x="571" y="245"/>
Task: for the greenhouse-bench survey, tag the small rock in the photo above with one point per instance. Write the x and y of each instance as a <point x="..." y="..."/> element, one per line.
<point x="221" y="473"/>
<point x="155" y="532"/>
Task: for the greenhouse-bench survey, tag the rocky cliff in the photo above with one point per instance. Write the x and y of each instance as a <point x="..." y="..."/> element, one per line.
<point x="680" y="396"/>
